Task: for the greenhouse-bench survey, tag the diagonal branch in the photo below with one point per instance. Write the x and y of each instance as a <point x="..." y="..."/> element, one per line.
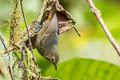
<point x="95" y="11"/>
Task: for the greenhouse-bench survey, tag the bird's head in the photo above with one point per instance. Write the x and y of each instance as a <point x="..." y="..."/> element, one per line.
<point x="53" y="58"/>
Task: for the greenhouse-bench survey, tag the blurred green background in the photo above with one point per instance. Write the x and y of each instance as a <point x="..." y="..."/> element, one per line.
<point x="93" y="42"/>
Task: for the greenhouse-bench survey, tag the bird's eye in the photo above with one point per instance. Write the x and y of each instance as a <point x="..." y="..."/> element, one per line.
<point x="52" y="59"/>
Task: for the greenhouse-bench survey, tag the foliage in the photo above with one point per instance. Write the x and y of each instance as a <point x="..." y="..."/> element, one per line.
<point x="92" y="44"/>
<point x="84" y="69"/>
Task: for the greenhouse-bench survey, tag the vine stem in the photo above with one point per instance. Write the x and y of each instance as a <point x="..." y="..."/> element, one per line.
<point x="30" y="43"/>
<point x="96" y="12"/>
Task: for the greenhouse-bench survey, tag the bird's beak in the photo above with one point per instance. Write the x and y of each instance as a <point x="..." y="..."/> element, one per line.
<point x="55" y="65"/>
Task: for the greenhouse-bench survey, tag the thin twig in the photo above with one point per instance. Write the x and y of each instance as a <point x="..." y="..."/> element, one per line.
<point x="9" y="68"/>
<point x="42" y="10"/>
<point x="2" y="40"/>
<point x="76" y="30"/>
<point x="8" y="50"/>
<point x="95" y="11"/>
<point x="30" y="43"/>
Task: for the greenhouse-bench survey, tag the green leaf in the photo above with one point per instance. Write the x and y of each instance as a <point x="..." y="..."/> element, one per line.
<point x="84" y="69"/>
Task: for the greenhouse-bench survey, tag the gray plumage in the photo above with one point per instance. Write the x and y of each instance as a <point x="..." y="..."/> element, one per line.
<point x="47" y="40"/>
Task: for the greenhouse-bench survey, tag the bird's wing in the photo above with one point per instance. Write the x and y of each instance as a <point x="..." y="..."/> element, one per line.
<point x="50" y="36"/>
<point x="43" y="29"/>
<point x="53" y="25"/>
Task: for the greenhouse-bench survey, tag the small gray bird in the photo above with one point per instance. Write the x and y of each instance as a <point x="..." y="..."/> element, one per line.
<point x="47" y="40"/>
